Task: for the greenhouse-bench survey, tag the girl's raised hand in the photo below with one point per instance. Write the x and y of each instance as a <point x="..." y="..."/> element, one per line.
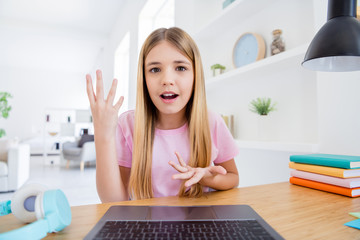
<point x="194" y="175"/>
<point x="104" y="112"/>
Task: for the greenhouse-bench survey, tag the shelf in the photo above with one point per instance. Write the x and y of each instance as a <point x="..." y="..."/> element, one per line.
<point x="278" y="146"/>
<point x="237" y="11"/>
<point x="280" y="76"/>
<point x="66" y="131"/>
<point x="276" y="62"/>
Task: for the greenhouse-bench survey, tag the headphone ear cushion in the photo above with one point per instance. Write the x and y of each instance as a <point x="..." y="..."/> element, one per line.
<point x="39" y="206"/>
<point x="19" y="198"/>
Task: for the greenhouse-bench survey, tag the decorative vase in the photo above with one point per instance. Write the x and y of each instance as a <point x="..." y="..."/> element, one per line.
<point x="264" y="128"/>
<point x="277" y="45"/>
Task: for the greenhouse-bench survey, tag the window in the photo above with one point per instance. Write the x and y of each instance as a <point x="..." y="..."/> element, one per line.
<point x="121" y="71"/>
<point x="155" y="14"/>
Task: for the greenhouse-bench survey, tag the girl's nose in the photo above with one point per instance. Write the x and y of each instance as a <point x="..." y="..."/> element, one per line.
<point x="168" y="77"/>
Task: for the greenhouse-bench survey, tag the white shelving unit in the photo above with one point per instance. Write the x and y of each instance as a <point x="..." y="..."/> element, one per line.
<point x="63" y="125"/>
<point x="237" y="11"/>
<point x="280" y="77"/>
<point x="269" y="64"/>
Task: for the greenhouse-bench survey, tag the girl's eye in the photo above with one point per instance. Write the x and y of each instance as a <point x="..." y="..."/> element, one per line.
<point x="155" y="70"/>
<point x="181" y="68"/>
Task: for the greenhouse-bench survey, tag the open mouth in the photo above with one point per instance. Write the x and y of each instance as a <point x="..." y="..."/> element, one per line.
<point x="168" y="96"/>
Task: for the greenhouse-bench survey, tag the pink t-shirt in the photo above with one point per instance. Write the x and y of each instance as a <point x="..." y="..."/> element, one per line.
<point x="166" y="142"/>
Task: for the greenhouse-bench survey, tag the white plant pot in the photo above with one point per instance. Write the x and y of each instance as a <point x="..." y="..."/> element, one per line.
<point x="264" y="128"/>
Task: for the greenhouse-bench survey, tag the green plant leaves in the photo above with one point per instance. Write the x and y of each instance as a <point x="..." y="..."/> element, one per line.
<point x="4" y="109"/>
<point x="262" y="106"/>
<point x="4" y="106"/>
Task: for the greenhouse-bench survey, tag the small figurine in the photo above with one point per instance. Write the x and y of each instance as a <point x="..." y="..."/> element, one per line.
<point x="277" y="45"/>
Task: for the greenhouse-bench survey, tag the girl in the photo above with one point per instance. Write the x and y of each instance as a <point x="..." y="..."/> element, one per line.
<point x="170" y="145"/>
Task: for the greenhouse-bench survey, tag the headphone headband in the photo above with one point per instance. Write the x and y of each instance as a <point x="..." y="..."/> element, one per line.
<point x="35" y="230"/>
<point x="5" y="208"/>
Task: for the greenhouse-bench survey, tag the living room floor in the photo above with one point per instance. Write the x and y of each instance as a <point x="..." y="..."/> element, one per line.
<point x="79" y="187"/>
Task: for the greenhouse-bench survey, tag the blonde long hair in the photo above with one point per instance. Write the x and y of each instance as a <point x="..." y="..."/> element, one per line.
<point x="140" y="185"/>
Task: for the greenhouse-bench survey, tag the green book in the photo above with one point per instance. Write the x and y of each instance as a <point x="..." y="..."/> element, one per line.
<point x="330" y="160"/>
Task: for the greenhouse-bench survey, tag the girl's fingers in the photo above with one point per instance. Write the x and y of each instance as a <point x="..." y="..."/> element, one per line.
<point x="181" y="161"/>
<point x="183" y="176"/>
<point x="111" y="96"/>
<point x="195" y="179"/>
<point x="217" y="169"/>
<point x="90" y="90"/>
<point x="112" y="92"/>
<point x="99" y="85"/>
<point x="194" y="176"/>
<point x="178" y="167"/>
<point x="100" y="91"/>
<point x="119" y="103"/>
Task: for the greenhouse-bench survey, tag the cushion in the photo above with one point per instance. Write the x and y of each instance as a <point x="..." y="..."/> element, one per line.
<point x="75" y="151"/>
<point x="5" y="145"/>
<point x="85" y="138"/>
<point x="3" y="169"/>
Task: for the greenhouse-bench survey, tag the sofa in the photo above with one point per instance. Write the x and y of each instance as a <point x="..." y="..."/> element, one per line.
<point x="14" y="165"/>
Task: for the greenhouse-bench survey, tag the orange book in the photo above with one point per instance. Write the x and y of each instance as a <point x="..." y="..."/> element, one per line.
<point x="350" y="192"/>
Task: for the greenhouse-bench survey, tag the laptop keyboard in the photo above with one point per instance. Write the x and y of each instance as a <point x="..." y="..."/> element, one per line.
<point x="219" y="229"/>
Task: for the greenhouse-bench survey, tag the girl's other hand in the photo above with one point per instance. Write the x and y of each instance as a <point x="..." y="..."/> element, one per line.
<point x="194" y="175"/>
<point x="104" y="112"/>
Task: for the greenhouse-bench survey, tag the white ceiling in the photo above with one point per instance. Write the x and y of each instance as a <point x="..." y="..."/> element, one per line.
<point x="60" y="35"/>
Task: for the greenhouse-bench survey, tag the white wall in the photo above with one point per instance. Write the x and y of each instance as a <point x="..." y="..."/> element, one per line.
<point x="127" y="22"/>
<point x="43" y="66"/>
<point x="258" y="167"/>
<point x="34" y="90"/>
<point x="191" y="15"/>
<point x="339" y="115"/>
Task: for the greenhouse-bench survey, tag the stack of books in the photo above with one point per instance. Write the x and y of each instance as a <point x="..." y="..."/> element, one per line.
<point x="332" y="173"/>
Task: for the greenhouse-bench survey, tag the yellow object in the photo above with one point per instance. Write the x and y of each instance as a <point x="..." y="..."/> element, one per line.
<point x="330" y="171"/>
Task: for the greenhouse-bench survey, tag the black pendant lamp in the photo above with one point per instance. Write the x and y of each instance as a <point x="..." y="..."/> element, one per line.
<point x="336" y="47"/>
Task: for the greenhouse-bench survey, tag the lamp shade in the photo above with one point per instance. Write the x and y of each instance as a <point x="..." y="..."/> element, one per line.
<point x="336" y="46"/>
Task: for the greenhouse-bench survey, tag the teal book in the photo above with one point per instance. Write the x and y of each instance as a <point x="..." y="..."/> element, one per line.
<point x="329" y="160"/>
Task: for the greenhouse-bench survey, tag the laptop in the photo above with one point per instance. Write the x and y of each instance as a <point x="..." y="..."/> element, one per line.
<point x="182" y="222"/>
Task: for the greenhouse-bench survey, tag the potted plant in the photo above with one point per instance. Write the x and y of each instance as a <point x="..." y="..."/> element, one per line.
<point x="262" y="107"/>
<point x="217" y="69"/>
<point x="4" y="109"/>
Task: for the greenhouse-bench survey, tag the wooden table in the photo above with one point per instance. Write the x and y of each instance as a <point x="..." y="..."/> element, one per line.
<point x="295" y="212"/>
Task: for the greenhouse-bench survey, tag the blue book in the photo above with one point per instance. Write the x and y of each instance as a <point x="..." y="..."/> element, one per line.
<point x="329" y="160"/>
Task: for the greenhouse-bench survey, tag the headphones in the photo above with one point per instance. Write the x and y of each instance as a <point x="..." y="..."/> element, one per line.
<point x="48" y="210"/>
